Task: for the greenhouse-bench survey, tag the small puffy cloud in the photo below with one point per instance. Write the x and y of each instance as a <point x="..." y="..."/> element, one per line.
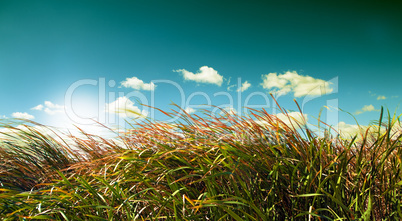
<point x="380" y="97"/>
<point x="3" y="116"/>
<point x="38" y="107"/>
<point x="365" y="108"/>
<point x="190" y="110"/>
<point x="53" y="106"/>
<point x="138" y="84"/>
<point x="298" y="84"/>
<point x="244" y="86"/>
<point x="22" y="115"/>
<point x="368" y="108"/>
<point x="124" y="107"/>
<point x="49" y="108"/>
<point x="204" y="75"/>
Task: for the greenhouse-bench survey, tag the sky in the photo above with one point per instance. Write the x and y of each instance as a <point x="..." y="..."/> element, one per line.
<point x="76" y="62"/>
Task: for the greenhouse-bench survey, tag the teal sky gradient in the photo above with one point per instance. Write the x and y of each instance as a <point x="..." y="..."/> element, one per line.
<point x="46" y="46"/>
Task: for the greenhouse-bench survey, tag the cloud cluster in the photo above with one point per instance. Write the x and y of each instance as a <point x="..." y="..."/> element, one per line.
<point x="124" y="107"/>
<point x="381" y="97"/>
<point x="22" y="115"/>
<point x="138" y="84"/>
<point x="293" y="82"/>
<point x="204" y="75"/>
<point x="49" y="108"/>
<point x="244" y="86"/>
<point x="366" y="108"/>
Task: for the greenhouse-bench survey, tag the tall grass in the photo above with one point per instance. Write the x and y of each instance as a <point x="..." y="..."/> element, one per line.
<point x="206" y="167"/>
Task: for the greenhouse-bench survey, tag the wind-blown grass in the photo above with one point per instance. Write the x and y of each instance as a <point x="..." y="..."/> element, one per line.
<point x="216" y="167"/>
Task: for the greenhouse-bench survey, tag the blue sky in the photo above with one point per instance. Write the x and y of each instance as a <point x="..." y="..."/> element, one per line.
<point x="203" y="48"/>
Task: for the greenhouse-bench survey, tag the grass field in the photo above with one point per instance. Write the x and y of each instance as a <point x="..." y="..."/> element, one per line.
<point x="203" y="168"/>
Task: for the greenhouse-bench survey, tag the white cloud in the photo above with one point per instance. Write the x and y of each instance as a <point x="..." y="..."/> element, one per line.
<point x="138" y="84"/>
<point x="348" y="130"/>
<point x="296" y="119"/>
<point x="368" y="108"/>
<point x="365" y="108"/>
<point x="53" y="106"/>
<point x="291" y="119"/>
<point x="125" y="108"/>
<point x="190" y="110"/>
<point x="244" y="86"/>
<point x="22" y="115"/>
<point x="39" y="107"/>
<point x="381" y="97"/>
<point x="204" y="75"/>
<point x="49" y="108"/>
<point x="4" y="117"/>
<point x="298" y="84"/>
<point x="53" y="111"/>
